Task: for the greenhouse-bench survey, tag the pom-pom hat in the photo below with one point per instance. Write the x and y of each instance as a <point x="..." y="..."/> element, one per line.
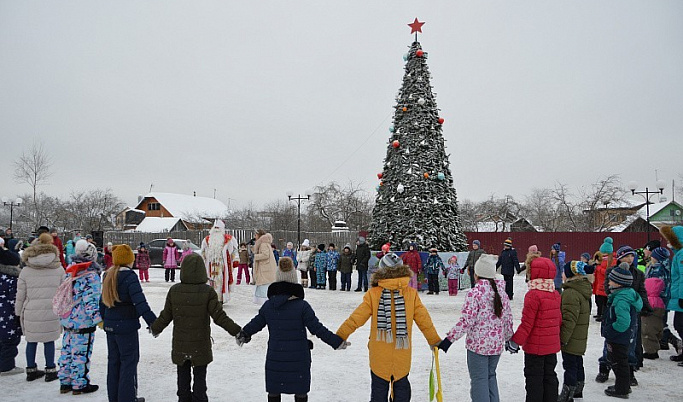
<point x="607" y="247"/>
<point x="485" y="266"/>
<point x="624" y="251"/>
<point x="285" y="271"/>
<point x="621" y="275"/>
<point x="122" y="255"/>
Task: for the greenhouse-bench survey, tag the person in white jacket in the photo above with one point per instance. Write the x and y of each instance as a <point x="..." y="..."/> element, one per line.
<point x="302" y="258"/>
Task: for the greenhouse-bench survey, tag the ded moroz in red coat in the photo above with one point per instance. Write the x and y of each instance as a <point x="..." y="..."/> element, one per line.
<point x="539" y="332"/>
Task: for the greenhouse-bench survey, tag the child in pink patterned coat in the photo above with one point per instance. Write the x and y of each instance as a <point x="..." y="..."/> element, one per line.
<point x="487" y="321"/>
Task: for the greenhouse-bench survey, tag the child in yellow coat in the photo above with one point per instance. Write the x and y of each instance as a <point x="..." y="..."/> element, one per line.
<point x="393" y="306"/>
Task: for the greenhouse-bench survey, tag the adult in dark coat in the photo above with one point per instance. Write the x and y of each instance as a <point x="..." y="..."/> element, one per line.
<point x="288" y="315"/>
<point x="472" y="258"/>
<point x="362" y="261"/>
<point x="508" y="264"/>
<point x="191" y="304"/>
<point x="10" y="331"/>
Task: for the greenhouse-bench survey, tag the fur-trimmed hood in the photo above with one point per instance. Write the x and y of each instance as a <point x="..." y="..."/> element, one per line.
<point x="383" y="274"/>
<point x="10" y="270"/>
<point x="41" y="256"/>
<point x="674" y="235"/>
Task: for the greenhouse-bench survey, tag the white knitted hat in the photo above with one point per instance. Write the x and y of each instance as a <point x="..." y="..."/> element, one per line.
<point x="486" y="266"/>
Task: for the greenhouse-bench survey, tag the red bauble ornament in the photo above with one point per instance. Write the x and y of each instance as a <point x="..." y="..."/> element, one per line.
<point x="379" y="175"/>
<point x="426" y="175"/>
<point x="395" y="144"/>
<point x="441" y="120"/>
<point x="405" y="109"/>
<point x="419" y="53"/>
<point x="381" y="184"/>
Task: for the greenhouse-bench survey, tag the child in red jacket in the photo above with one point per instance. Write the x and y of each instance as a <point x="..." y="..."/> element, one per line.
<point x="539" y="332"/>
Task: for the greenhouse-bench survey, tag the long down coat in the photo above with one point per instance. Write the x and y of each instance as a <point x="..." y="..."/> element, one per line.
<point x="288" y="360"/>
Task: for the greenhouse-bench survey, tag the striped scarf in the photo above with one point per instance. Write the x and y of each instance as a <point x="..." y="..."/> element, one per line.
<point x="384" y="328"/>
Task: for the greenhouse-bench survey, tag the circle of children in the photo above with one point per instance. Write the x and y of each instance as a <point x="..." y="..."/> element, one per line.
<point x="633" y="297"/>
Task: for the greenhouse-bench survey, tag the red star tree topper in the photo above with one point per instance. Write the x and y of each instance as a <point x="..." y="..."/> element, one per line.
<point x="416" y="26"/>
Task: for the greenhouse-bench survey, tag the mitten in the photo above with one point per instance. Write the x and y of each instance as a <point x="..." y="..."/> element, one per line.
<point x="343" y="345"/>
<point x="445" y="344"/>
<point x="511" y="346"/>
<point x="242" y="338"/>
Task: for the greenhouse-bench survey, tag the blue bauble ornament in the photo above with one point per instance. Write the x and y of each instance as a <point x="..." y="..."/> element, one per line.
<point x="391" y="129"/>
<point x="440" y="176"/>
<point x="377" y="187"/>
<point x="405" y="57"/>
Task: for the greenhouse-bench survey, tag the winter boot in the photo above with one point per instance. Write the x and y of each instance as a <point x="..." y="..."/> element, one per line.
<point x="603" y="375"/>
<point x="664" y="345"/>
<point x="50" y="374"/>
<point x="676" y="358"/>
<point x="32" y="373"/>
<point x="578" y="392"/>
<point x="610" y="391"/>
<point x="139" y="399"/>
<point x="274" y="398"/>
<point x="65" y="389"/>
<point x="677" y="344"/>
<point x="88" y="389"/>
<point x="634" y="382"/>
<point x="650" y="356"/>
<point x="567" y="394"/>
<point x="300" y="398"/>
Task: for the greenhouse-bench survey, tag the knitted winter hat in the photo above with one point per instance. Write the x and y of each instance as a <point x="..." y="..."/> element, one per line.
<point x="122" y="255"/>
<point x="652" y="244"/>
<point x="486" y="266"/>
<point x="477" y="242"/>
<point x="621" y="275"/>
<point x="607" y="247"/>
<point x="86" y="250"/>
<point x="624" y="251"/>
<point x="557" y="246"/>
<point x="508" y="242"/>
<point x="586" y="256"/>
<point x="321" y="247"/>
<point x="361" y="239"/>
<point x="573" y="268"/>
<point x="533" y="249"/>
<point x="390" y="260"/>
<point x="285" y="271"/>
<point x="660" y="254"/>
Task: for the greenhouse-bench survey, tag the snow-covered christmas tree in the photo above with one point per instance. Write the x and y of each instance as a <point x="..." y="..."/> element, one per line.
<point x="416" y="200"/>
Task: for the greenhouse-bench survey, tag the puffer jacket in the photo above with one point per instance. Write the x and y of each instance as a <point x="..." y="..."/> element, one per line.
<point x="332" y="260"/>
<point x="576" y="314"/>
<point x="661" y="271"/>
<point x="291" y="254"/>
<point x="362" y="256"/>
<point x="472" y="258"/>
<point x="37" y="285"/>
<point x="171" y="256"/>
<point x="638" y="285"/>
<point x="265" y="266"/>
<point x="654" y="288"/>
<point x="346" y="262"/>
<point x="385" y="360"/>
<point x="413" y="260"/>
<point x="434" y="265"/>
<point x="558" y="260"/>
<point x="303" y="258"/>
<point x="288" y="359"/>
<point x="675" y="237"/>
<point x="124" y="317"/>
<point x="9" y="275"/>
<point x="142" y="260"/>
<point x="600" y="275"/>
<point x="619" y="324"/>
<point x="191" y="304"/>
<point x="539" y="332"/>
<point x="508" y="262"/>
<point x="486" y="333"/>
<point x="86" y="294"/>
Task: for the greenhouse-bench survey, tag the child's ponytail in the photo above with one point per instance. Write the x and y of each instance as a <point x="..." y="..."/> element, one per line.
<point x="497" y="301"/>
<point x="110" y="293"/>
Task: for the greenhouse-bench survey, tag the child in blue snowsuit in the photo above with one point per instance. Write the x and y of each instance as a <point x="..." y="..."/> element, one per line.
<point x="10" y="330"/>
<point x="80" y="321"/>
<point x="320" y="267"/>
<point x="432" y="267"/>
<point x="122" y="305"/>
<point x="332" y="265"/>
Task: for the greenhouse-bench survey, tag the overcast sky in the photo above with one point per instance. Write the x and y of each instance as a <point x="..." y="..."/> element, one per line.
<point x="257" y="98"/>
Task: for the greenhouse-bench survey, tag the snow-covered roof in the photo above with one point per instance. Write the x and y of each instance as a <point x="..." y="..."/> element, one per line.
<point x="188" y="207"/>
<point x="135" y="210"/>
<point x="155" y="225"/>
<point x="655" y="207"/>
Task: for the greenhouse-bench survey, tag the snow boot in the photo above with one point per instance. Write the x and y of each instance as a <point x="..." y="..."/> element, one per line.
<point x="634" y="382"/>
<point x="676" y="358"/>
<point x="677" y="344"/>
<point x="88" y="389"/>
<point x="32" y="373"/>
<point x="65" y="389"/>
<point x="664" y="345"/>
<point x="139" y="399"/>
<point x="603" y="375"/>
<point x="300" y="398"/>
<point x="50" y="374"/>
<point x="567" y="394"/>
<point x="578" y="392"/>
<point x="610" y="391"/>
<point x="650" y="356"/>
<point x="274" y="398"/>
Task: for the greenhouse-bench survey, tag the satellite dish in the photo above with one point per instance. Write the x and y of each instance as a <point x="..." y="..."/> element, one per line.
<point x="678" y="212"/>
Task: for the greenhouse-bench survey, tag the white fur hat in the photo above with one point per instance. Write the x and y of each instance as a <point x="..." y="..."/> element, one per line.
<point x="86" y="250"/>
<point x="306" y="243"/>
<point x="486" y="266"/>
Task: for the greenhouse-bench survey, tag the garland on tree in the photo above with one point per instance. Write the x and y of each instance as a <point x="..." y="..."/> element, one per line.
<point x="416" y="200"/>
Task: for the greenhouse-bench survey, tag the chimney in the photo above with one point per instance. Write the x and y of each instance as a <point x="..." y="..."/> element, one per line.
<point x="140" y="198"/>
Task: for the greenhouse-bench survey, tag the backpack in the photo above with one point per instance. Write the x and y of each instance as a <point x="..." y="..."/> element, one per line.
<point x="63" y="300"/>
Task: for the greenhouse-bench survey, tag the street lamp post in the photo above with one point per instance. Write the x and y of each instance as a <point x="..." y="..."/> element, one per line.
<point x="646" y="194"/>
<point x="298" y="199"/>
<point x="11" y="204"/>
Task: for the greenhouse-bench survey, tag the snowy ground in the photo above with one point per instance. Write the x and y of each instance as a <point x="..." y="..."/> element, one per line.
<point x="237" y="374"/>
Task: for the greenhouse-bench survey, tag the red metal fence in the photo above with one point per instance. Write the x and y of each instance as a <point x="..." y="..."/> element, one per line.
<point x="573" y="243"/>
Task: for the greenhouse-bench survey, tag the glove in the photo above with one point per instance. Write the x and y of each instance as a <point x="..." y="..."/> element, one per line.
<point x="511" y="347"/>
<point x="17" y="320"/>
<point x="242" y="338"/>
<point x="152" y="332"/>
<point x="343" y="345"/>
<point x="444" y="345"/>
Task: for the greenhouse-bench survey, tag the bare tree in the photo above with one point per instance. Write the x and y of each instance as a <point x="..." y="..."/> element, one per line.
<point x="33" y="168"/>
<point x="604" y="192"/>
<point x="351" y="204"/>
<point x="92" y="210"/>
